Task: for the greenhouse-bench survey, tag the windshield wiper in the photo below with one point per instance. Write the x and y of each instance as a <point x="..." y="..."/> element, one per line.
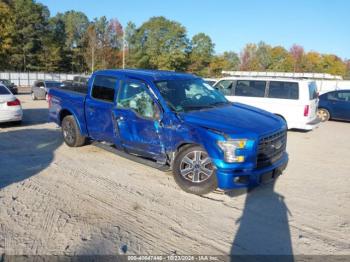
<point x="197" y="107"/>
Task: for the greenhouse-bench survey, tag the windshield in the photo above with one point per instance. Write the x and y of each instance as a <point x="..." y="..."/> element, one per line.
<point x="190" y="94"/>
<point x="4" y="90"/>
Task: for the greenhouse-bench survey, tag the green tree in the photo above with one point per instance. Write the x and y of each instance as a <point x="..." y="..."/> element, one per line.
<point x="160" y="44"/>
<point x="347" y="75"/>
<point x="263" y="56"/>
<point x="75" y="27"/>
<point x="281" y="60"/>
<point x="332" y="64"/>
<point x="104" y="44"/>
<point x="30" y="21"/>
<point x="202" y="50"/>
<point x="6" y="29"/>
<point x="130" y="34"/>
<point x="249" y="58"/>
<point x="312" y="62"/>
<point x="229" y="61"/>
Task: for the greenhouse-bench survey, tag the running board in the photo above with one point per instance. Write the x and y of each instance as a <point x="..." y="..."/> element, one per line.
<point x="138" y="159"/>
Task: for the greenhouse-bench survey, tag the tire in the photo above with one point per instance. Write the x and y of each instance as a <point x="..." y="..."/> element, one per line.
<point x="323" y="114"/>
<point x="33" y="96"/>
<point x="194" y="171"/>
<point x="71" y="133"/>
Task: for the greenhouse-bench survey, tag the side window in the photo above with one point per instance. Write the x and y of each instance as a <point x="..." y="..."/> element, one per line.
<point x="332" y="96"/>
<point x="134" y="96"/>
<point x="344" y="96"/>
<point x="250" y="88"/>
<point x="103" y="88"/>
<point x="225" y="87"/>
<point x="284" y="90"/>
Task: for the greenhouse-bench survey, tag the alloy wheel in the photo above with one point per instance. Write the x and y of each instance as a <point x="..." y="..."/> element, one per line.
<point x="196" y="167"/>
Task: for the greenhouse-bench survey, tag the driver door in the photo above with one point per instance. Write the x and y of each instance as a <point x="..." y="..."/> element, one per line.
<point x="136" y="118"/>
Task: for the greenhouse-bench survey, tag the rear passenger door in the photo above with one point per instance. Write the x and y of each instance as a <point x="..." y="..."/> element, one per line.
<point x="98" y="108"/>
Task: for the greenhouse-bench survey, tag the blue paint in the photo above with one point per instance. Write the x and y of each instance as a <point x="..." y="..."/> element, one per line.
<point x="160" y="138"/>
<point x="337" y="103"/>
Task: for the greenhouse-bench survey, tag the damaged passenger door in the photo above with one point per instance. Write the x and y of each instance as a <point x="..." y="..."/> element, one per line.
<point x="137" y="118"/>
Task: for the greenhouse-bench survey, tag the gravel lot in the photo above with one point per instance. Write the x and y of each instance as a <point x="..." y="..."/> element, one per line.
<point x="59" y="200"/>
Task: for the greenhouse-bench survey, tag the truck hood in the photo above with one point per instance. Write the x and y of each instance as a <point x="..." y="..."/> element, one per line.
<point x="235" y="119"/>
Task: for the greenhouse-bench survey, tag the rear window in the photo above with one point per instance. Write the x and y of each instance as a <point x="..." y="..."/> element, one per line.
<point x="250" y="88"/>
<point x="313" y="91"/>
<point x="53" y="84"/>
<point x="104" y="88"/>
<point x="4" y="91"/>
<point x="284" y="90"/>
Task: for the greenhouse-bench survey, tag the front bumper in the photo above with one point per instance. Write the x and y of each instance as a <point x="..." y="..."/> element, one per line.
<point x="231" y="179"/>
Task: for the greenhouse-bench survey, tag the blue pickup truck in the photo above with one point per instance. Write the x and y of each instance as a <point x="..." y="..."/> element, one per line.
<point x="176" y="120"/>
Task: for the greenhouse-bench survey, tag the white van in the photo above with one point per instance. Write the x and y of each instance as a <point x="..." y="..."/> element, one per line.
<point x="294" y="100"/>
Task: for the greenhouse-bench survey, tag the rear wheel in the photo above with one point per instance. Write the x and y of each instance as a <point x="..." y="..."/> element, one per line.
<point x="194" y="171"/>
<point x="71" y="133"/>
<point x="323" y="114"/>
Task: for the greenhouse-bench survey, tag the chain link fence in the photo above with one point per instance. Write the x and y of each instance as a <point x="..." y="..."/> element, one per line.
<point x="26" y="79"/>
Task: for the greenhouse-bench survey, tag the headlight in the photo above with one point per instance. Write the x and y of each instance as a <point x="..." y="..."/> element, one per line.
<point x="229" y="147"/>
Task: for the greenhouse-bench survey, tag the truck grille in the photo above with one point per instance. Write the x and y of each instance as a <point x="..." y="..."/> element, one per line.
<point x="271" y="148"/>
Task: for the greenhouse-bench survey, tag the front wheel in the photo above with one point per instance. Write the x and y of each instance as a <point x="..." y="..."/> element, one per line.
<point x="323" y="114"/>
<point x="33" y="96"/>
<point x="194" y="171"/>
<point x="71" y="132"/>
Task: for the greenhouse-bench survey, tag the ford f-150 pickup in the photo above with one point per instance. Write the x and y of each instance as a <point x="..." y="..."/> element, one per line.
<point x="176" y="120"/>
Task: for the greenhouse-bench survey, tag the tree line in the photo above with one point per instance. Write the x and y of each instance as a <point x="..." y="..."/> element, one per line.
<point x="32" y="40"/>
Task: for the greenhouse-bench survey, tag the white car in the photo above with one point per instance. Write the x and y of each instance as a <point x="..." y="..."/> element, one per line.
<point x="294" y="100"/>
<point x="10" y="106"/>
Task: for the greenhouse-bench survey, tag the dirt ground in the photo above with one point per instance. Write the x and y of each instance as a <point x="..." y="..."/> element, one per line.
<point x="58" y="200"/>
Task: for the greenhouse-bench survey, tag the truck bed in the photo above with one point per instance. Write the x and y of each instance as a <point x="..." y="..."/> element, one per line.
<point x="71" y="98"/>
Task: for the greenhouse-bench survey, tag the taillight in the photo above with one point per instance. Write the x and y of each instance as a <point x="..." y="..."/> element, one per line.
<point x="49" y="98"/>
<point x="306" y="110"/>
<point x="15" y="102"/>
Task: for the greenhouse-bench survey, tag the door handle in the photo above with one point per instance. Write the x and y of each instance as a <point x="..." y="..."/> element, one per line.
<point x="118" y="118"/>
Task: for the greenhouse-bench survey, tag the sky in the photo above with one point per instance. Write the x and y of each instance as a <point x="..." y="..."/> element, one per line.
<point x="318" y="25"/>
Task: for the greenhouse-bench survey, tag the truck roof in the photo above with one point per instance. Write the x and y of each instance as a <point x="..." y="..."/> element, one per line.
<point x="152" y="75"/>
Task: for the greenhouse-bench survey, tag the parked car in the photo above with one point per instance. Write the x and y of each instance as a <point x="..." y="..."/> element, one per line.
<point x="335" y="105"/>
<point x="41" y="87"/>
<point x="295" y="101"/>
<point x="10" y="106"/>
<point x="176" y="120"/>
<point x="210" y="81"/>
<point x="80" y="80"/>
<point x="11" y="86"/>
